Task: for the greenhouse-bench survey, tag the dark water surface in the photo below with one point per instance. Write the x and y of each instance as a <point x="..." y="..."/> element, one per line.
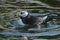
<point x="50" y="31"/>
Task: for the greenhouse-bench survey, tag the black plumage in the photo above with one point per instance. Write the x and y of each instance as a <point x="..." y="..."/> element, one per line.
<point x="34" y="20"/>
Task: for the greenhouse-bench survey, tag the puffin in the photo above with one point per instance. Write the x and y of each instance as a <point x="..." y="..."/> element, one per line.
<point x="33" y="20"/>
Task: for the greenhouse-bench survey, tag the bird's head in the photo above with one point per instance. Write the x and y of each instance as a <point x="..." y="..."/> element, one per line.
<point x="23" y="14"/>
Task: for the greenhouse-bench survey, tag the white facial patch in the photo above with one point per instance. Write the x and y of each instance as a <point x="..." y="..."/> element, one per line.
<point x="23" y="13"/>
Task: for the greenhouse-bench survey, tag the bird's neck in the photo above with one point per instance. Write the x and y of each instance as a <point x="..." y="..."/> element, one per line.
<point x="27" y="17"/>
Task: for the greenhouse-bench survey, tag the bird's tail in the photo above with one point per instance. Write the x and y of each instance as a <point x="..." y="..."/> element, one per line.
<point x="47" y="19"/>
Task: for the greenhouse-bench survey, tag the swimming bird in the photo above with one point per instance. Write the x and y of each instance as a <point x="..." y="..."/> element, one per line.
<point x="33" y="20"/>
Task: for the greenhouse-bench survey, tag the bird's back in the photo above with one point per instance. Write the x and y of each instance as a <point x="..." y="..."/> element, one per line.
<point x="32" y="20"/>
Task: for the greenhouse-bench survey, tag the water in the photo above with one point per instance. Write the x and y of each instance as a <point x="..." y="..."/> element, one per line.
<point x="50" y="31"/>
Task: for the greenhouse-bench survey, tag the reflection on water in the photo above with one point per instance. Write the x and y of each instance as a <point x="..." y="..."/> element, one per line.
<point x="51" y="32"/>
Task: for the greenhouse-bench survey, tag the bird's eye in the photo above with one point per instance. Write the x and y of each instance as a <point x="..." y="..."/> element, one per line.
<point x="21" y="12"/>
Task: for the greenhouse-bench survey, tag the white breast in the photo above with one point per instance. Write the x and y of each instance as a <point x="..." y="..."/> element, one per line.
<point x="20" y="22"/>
